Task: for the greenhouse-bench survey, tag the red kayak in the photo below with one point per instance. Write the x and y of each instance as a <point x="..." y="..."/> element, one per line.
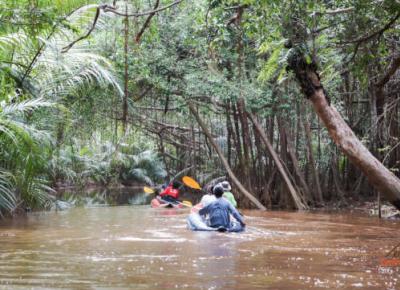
<point x="156" y="203"/>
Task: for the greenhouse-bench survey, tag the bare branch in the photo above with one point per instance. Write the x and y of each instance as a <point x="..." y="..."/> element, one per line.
<point x="96" y="17"/>
<point x="337" y="11"/>
<point x="379" y="32"/>
<point x="37" y="54"/>
<point x="113" y="10"/>
<point x="157" y="108"/>
<point x="146" y="23"/>
<point x="359" y="40"/>
<point x="340" y="10"/>
<point x="14" y="63"/>
<point x="320" y="29"/>
<point x="236" y="7"/>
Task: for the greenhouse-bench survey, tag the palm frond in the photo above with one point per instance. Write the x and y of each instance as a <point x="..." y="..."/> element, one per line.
<point x="7" y="198"/>
<point x="141" y="174"/>
<point x="12" y="39"/>
<point x="23" y="106"/>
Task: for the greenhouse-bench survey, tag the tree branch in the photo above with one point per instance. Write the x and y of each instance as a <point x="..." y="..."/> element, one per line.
<point x="14" y="63"/>
<point x="236" y="7"/>
<point x="369" y="36"/>
<point x="393" y="66"/>
<point x="337" y="11"/>
<point x="96" y="17"/>
<point x="37" y="54"/>
<point x="146" y="23"/>
<point x="112" y="9"/>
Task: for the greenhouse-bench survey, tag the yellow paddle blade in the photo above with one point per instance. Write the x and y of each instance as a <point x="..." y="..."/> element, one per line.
<point x="187" y="203"/>
<point x="148" y="190"/>
<point x="188" y="181"/>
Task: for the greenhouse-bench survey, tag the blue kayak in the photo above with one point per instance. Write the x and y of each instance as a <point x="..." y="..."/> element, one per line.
<point x="196" y="222"/>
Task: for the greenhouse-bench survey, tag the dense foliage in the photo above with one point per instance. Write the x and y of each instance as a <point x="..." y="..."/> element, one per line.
<point x="113" y="107"/>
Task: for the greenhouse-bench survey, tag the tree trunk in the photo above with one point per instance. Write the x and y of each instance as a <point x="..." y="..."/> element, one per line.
<point x="221" y="156"/>
<point x="296" y="166"/>
<point x="318" y="191"/>
<point x="336" y="179"/>
<point x="296" y="198"/>
<point x="163" y="153"/>
<point x="270" y="126"/>
<point x="125" y="101"/>
<point x="238" y="144"/>
<point x="258" y="165"/>
<point x="245" y="141"/>
<point x="378" y="175"/>
<point x="230" y="134"/>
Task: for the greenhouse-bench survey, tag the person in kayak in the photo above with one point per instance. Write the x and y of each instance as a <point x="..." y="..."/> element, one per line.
<point x="227" y="193"/>
<point x="219" y="210"/>
<point x="208" y="198"/>
<point x="171" y="193"/>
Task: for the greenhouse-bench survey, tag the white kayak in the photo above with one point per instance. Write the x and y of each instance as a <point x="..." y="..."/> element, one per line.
<point x="196" y="222"/>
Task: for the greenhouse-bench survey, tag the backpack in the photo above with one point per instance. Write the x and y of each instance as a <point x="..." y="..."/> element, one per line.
<point x="218" y="216"/>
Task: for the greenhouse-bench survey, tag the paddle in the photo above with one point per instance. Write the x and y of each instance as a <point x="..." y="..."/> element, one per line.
<point x="148" y="190"/>
<point x="190" y="182"/>
<point x="186" y="203"/>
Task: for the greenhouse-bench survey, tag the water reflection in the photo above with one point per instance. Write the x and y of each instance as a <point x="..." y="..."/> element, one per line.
<point x="70" y="197"/>
<point x="144" y="248"/>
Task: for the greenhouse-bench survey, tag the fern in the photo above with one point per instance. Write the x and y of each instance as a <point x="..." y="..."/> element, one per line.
<point x="270" y="67"/>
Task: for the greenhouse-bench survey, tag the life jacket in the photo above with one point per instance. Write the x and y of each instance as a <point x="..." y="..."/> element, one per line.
<point x="173" y="192"/>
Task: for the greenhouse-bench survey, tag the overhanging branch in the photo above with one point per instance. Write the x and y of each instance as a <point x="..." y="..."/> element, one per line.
<point x="113" y="9"/>
<point x="373" y="34"/>
<point x="146" y="23"/>
<point x="96" y="17"/>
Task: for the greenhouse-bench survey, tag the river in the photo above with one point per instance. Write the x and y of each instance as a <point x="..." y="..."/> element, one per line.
<point x="136" y="247"/>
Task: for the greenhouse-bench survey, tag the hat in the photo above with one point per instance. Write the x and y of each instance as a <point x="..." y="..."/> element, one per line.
<point x="226" y="186"/>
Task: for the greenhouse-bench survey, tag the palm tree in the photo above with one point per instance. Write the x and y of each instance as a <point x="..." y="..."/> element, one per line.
<point x="41" y="73"/>
<point x="20" y="155"/>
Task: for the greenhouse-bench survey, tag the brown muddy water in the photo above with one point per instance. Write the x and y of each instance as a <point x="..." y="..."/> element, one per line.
<point x="136" y="247"/>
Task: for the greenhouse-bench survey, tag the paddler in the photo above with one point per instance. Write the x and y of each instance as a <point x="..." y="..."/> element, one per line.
<point x="227" y="193"/>
<point x="208" y="198"/>
<point x="171" y="193"/>
<point x="218" y="213"/>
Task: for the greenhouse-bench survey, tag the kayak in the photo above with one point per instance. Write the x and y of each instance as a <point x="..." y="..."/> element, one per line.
<point x="195" y="222"/>
<point x="156" y="203"/>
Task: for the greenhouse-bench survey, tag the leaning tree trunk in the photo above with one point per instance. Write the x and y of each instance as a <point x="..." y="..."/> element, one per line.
<point x="221" y="156"/>
<point x="378" y="175"/>
<point x="297" y="199"/>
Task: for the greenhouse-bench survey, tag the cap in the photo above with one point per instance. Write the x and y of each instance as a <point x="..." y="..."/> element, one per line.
<point x="226" y="186"/>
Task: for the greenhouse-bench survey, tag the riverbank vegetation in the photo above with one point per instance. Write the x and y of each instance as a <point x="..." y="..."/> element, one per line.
<point x="98" y="92"/>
